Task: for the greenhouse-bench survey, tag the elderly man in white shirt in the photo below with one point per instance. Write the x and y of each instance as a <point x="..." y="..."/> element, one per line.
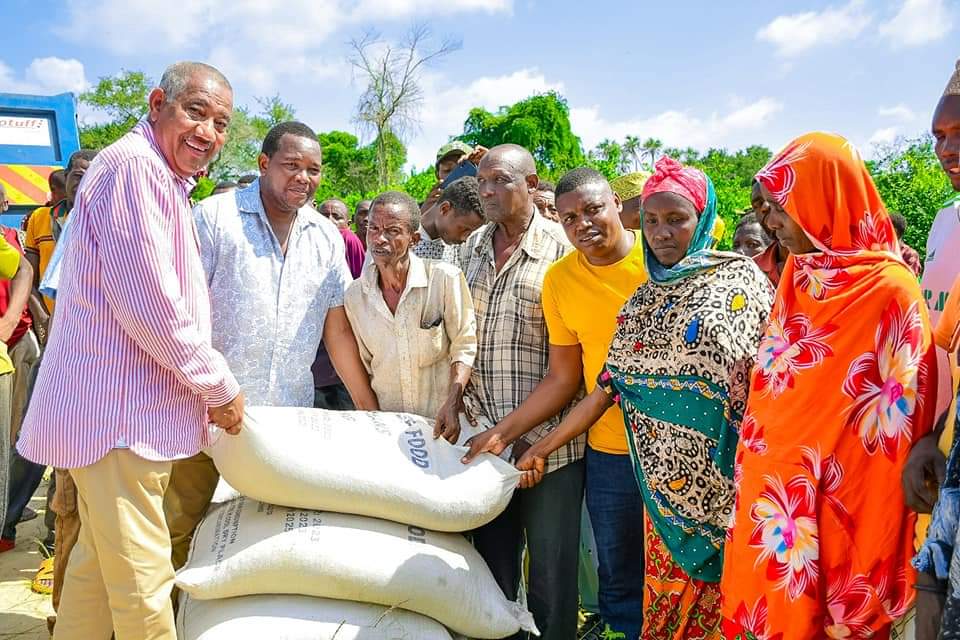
<point x="413" y="319"/>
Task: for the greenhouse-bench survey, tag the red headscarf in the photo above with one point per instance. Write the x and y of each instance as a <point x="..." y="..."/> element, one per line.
<point x="669" y="175"/>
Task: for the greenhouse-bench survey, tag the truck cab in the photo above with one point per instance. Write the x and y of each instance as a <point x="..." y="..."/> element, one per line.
<point x="38" y="134"/>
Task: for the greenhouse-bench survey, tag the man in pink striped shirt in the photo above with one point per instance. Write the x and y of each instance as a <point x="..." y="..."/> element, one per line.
<point x="129" y="379"/>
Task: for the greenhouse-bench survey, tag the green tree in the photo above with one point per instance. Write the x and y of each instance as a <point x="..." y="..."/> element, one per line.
<point x="651" y="148"/>
<point x="911" y="182"/>
<point x="541" y="123"/>
<point x="607" y="158"/>
<point x="123" y="99"/>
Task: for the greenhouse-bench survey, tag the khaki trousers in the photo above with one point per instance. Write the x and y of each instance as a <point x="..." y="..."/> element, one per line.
<point x="119" y="575"/>
<point x="24" y="355"/>
<point x="66" y="530"/>
<point x="192" y="484"/>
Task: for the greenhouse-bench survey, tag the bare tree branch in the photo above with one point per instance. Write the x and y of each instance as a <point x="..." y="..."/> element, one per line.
<point x="390" y="103"/>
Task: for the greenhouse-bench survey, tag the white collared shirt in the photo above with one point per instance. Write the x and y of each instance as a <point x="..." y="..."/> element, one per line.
<point x="408" y="354"/>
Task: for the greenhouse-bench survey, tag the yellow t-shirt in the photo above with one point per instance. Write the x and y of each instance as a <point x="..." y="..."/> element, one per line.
<point x="9" y="263"/>
<point x="581" y="302"/>
<point x="39" y="238"/>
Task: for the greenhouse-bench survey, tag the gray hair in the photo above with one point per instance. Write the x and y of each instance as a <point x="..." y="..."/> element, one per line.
<point x="178" y="75"/>
<point x="404" y="201"/>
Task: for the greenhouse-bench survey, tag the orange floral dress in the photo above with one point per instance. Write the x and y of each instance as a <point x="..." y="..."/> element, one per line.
<point x="822" y="540"/>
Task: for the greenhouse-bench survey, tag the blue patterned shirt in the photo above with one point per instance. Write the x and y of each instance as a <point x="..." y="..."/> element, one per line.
<point x="268" y="309"/>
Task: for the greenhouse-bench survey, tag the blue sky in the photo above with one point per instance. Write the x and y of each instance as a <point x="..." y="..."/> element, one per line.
<point x="689" y="73"/>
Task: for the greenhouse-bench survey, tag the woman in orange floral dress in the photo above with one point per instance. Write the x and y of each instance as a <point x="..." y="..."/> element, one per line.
<point x="822" y="540"/>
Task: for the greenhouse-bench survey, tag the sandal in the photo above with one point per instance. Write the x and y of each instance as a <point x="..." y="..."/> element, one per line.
<point x="43" y="581"/>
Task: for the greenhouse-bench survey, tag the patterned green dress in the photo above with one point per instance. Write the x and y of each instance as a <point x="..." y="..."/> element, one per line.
<point x="679" y="367"/>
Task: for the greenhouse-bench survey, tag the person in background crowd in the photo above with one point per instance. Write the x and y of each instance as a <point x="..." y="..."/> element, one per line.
<point x="680" y="376"/>
<point x="4" y="203"/>
<point x="329" y="391"/>
<point x="413" y="320"/>
<point x="583" y="293"/>
<point x="546" y="201"/>
<point x="840" y="394"/>
<point x="118" y="433"/>
<point x="57" y="181"/>
<point x="629" y="188"/>
<point x="43" y="231"/>
<point x="448" y="157"/>
<point x="928" y="474"/>
<point x="271" y="262"/>
<point x="24" y="352"/>
<point x="910" y="255"/>
<point x="504" y="262"/>
<point x="360" y="217"/>
<point x="224" y="187"/>
<point x="336" y="211"/>
<point x="245" y="181"/>
<point x="750" y="238"/>
<point x="448" y="224"/>
<point x="773" y="259"/>
<point x="15" y="268"/>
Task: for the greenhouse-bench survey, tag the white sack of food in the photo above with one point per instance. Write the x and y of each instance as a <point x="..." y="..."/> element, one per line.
<point x="285" y="617"/>
<point x="378" y="464"/>
<point x="247" y="547"/>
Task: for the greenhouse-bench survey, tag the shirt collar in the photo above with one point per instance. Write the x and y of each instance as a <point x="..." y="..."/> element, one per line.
<point x="534" y="242"/>
<point x="416" y="276"/>
<point x="249" y="201"/>
<point x="145" y="129"/>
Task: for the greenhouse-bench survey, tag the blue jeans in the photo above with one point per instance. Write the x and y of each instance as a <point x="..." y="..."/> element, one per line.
<point x="616" y="511"/>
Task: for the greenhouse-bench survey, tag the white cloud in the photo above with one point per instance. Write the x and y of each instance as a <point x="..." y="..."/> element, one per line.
<point x="899" y="112"/>
<point x="45" y="76"/>
<point x="883" y="136"/>
<point x="293" y="25"/>
<point x="446" y="106"/>
<point x="676" y="128"/>
<point x="918" y="22"/>
<point x="795" y="33"/>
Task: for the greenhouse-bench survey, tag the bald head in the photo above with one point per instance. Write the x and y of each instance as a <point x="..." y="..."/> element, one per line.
<point x="512" y="155"/>
<point x="336" y="211"/>
<point x="507" y="179"/>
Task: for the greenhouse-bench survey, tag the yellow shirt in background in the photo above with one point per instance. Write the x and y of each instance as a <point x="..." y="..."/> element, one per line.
<point x="39" y="238"/>
<point x="581" y="303"/>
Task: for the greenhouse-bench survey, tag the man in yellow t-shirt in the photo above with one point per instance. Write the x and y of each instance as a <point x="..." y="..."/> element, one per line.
<point x="583" y="293"/>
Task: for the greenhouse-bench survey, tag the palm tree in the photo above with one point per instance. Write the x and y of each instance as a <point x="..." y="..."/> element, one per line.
<point x="631" y="151"/>
<point x="652" y="148"/>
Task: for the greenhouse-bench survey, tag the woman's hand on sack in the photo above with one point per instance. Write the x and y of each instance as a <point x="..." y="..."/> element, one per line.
<point x="448" y="420"/>
<point x="532" y="464"/>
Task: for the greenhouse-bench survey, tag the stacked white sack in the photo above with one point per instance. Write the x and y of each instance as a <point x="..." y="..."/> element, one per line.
<point x="248" y="547"/>
<point x="300" y="618"/>
<point x="377" y="464"/>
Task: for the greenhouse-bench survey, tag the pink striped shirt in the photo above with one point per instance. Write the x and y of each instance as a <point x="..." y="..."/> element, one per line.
<point x="129" y="359"/>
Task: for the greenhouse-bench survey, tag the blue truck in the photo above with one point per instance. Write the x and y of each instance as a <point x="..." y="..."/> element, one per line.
<point x="37" y="136"/>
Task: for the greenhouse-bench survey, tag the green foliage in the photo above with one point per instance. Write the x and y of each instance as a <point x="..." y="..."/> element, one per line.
<point x="732" y="176"/>
<point x="124" y="100"/>
<point x="911" y="182"/>
<point x="608" y="158"/>
<point x="540" y="123"/>
<point x="203" y="189"/>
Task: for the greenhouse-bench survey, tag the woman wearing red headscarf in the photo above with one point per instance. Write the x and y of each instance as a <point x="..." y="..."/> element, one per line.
<point x="822" y="540"/>
<point x="679" y="367"/>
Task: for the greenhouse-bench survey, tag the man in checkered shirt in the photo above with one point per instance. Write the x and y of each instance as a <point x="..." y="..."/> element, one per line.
<point x="504" y="262"/>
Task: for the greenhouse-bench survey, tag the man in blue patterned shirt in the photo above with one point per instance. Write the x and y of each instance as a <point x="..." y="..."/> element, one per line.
<point x="277" y="276"/>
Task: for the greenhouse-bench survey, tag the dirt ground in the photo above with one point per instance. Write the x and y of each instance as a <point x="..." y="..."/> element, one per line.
<point x="23" y="613"/>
